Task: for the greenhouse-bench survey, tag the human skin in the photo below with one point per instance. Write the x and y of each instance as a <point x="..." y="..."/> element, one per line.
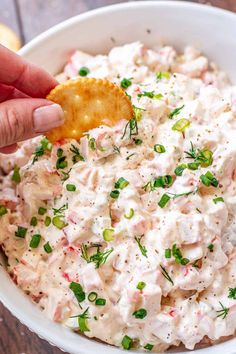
<point x="24" y="111"/>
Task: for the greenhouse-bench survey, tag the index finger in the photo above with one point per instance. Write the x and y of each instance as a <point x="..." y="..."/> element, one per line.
<point x="25" y="76"/>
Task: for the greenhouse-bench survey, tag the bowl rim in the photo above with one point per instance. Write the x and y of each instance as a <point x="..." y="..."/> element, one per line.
<point x="35" y="42"/>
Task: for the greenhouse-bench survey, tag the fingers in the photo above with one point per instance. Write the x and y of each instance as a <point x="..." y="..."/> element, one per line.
<point x="26" y="77"/>
<point x="21" y="119"/>
<point x="9" y="149"/>
<point x="9" y="93"/>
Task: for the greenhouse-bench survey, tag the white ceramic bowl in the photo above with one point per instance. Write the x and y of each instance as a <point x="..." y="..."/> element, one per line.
<point x="177" y="23"/>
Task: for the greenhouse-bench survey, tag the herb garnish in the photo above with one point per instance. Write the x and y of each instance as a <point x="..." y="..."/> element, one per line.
<point x="33" y="221"/>
<point x="201" y="157"/>
<point x="148" y="346"/>
<point x="98" y="258"/>
<point x="47" y="248"/>
<point x="141" y="285"/>
<point x="218" y="199"/>
<point x="127" y="342"/>
<point x="121" y="183"/>
<point x="92" y="144"/>
<point x="78" y="291"/>
<point x="83" y="71"/>
<point x="82" y="321"/>
<point x="162" y="75"/>
<point x="61" y="210"/>
<point x="3" y="210"/>
<point x="223" y="312"/>
<point x="125" y="83"/>
<point x="16" y="174"/>
<point x="150" y="94"/>
<point x="166" y="275"/>
<point x="77" y="155"/>
<point x="181" y="125"/>
<point x="44" y="146"/>
<point x="131" y="127"/>
<point x="211" y="247"/>
<point x="209" y="180"/>
<point x="140" y="314"/>
<point x="21" y="232"/>
<point x="70" y="187"/>
<point x="108" y="234"/>
<point x="175" y="112"/>
<point x="130" y="215"/>
<point x="35" y="240"/>
<point x="159" y="148"/>
<point x="232" y="293"/>
<point x="141" y="247"/>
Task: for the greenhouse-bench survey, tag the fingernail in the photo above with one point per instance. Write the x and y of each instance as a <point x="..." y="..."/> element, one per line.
<point x="47" y="117"/>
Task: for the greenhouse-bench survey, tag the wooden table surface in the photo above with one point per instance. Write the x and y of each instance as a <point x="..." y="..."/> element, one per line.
<point x="28" y="18"/>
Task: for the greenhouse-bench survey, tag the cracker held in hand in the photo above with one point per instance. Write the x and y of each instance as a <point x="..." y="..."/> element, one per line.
<point x="88" y="103"/>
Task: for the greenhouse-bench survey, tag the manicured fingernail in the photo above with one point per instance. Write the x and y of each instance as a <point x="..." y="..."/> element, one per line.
<point x="47" y="117"/>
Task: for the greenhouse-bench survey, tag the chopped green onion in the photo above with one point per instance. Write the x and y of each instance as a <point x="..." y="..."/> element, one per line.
<point x="164" y="200"/>
<point x="140" y="314"/>
<point x="3" y="210"/>
<point x="209" y="179"/>
<point x="137" y="117"/>
<point x="100" y="302"/>
<point x="47" y="221"/>
<point x="71" y="187"/>
<point x="159" y="148"/>
<point x="78" y="291"/>
<point x="33" y="221"/>
<point x="148" y="346"/>
<point x="47" y="248"/>
<point x="181" y="125"/>
<point x="127" y="342"/>
<point x="16" y="174"/>
<point x="108" y="234"/>
<point x="121" y="183"/>
<point x="82" y="321"/>
<point x="42" y="211"/>
<point x="35" y="240"/>
<point x="167" y="253"/>
<point x="125" y="83"/>
<point x="130" y="215"/>
<point x="21" y="232"/>
<point x="58" y="222"/>
<point x="141" y="285"/>
<point x="92" y="144"/>
<point x="211" y="247"/>
<point x="176" y="111"/>
<point x="179" y="169"/>
<point x="218" y="199"/>
<point x="92" y="296"/>
<point x="193" y="165"/>
<point x="163" y="181"/>
<point x="151" y="94"/>
<point x="61" y="163"/>
<point x="138" y="141"/>
<point x="114" y="194"/>
<point x="163" y="75"/>
<point x="184" y="261"/>
<point x="83" y="71"/>
<point x="206" y="157"/>
<point x="59" y="152"/>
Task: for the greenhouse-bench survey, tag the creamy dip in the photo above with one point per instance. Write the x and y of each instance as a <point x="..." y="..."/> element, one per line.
<point x="129" y="235"/>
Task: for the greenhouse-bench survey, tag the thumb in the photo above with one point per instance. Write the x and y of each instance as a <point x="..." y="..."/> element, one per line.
<point x="21" y="119"/>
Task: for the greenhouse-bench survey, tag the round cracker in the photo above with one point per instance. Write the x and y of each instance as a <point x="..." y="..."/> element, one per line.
<point x="9" y="39"/>
<point x="88" y="103"/>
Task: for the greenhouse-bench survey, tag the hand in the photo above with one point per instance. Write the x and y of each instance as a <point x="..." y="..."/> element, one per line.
<point x="24" y="113"/>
